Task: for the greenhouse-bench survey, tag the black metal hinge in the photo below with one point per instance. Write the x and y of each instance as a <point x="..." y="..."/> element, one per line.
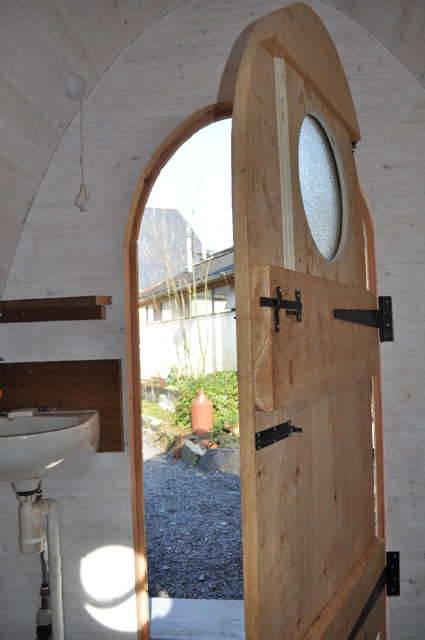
<point x="274" y="434"/>
<point x="292" y="307"/>
<point x="382" y="318"/>
<point x="389" y="578"/>
<point x="392" y="572"/>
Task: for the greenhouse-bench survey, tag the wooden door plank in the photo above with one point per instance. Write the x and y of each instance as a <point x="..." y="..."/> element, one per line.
<point x="374" y="625"/>
<point x="255" y="188"/>
<point x="315" y="508"/>
<point x="308" y="357"/>
<point x="341" y="613"/>
<point x="297" y="34"/>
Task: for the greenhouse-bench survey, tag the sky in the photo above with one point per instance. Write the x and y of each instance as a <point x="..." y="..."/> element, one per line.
<point x="197" y="181"/>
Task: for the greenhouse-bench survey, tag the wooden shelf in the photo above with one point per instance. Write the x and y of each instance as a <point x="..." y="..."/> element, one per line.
<point x="54" y="309"/>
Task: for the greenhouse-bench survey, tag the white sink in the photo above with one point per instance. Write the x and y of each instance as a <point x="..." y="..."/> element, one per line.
<point x="30" y="446"/>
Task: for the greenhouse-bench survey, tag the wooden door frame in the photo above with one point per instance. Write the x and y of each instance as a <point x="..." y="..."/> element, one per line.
<point x="376" y="392"/>
<point x="377" y="384"/>
<point x="192" y="124"/>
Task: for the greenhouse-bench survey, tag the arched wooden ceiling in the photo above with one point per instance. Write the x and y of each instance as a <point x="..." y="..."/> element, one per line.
<point x="42" y="41"/>
<point x="398" y="24"/>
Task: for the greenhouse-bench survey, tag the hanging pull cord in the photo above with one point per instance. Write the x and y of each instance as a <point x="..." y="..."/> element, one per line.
<point x="83" y="195"/>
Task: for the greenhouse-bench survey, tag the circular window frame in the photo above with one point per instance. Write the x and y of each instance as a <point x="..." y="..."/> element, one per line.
<point x="340" y="169"/>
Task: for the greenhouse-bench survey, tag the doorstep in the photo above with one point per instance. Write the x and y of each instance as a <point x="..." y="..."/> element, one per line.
<point x="188" y="619"/>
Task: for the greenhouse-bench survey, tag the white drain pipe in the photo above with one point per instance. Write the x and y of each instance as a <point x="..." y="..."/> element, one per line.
<point x="32" y="536"/>
<point x="31" y="524"/>
<point x="50" y="508"/>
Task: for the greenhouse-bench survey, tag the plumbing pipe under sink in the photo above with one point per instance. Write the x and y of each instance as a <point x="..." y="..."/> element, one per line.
<point x="55" y="567"/>
<point x="32" y="442"/>
<point x="33" y="510"/>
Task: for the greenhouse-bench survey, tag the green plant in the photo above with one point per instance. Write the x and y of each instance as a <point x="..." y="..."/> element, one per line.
<point x="166" y="433"/>
<point x="221" y="388"/>
<point x="153" y="410"/>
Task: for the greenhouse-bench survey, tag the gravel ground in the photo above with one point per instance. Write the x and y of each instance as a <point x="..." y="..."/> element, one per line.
<point x="193" y="529"/>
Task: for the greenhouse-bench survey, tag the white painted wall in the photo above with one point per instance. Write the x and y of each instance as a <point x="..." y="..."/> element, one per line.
<point x="93" y="495"/>
<point x="172" y="70"/>
<point x="194" y="345"/>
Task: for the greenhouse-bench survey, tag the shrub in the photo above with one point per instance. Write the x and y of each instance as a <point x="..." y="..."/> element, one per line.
<point x="221" y="388"/>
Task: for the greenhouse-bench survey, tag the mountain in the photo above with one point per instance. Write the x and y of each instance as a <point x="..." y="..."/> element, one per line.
<point x="162" y="247"/>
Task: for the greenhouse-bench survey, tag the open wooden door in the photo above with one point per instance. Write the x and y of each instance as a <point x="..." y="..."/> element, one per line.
<point x="313" y="559"/>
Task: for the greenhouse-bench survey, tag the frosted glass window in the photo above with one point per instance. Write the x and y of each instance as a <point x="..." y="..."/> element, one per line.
<point x="320" y="187"/>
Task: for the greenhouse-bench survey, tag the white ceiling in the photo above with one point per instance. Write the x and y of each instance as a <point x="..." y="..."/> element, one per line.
<point x="42" y="41"/>
<point x="398" y="24"/>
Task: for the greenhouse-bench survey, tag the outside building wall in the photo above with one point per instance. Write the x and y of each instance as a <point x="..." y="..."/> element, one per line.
<point x="194" y="346"/>
<point x="174" y="69"/>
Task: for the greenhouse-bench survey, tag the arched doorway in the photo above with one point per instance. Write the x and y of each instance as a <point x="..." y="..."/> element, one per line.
<point x="175" y="140"/>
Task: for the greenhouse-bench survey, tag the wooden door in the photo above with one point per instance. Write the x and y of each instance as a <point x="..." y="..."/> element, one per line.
<point x="313" y="553"/>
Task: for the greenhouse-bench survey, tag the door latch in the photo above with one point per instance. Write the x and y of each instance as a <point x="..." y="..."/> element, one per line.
<point x="292" y="307"/>
<point x="381" y="318"/>
<point x="275" y="434"/>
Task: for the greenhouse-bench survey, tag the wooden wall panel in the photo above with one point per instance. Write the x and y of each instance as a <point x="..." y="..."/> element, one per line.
<point x="41" y="43"/>
<point x="398" y="24"/>
<point x="174" y="69"/>
<point x="35" y="32"/>
<point x="84" y="384"/>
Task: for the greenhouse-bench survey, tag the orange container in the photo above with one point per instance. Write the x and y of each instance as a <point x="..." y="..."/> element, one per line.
<point x="202" y="414"/>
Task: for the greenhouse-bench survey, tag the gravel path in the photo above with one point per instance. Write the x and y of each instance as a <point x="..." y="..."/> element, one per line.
<point x="193" y="528"/>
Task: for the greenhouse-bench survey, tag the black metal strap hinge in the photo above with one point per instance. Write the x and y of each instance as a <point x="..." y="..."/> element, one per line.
<point x="292" y="307"/>
<point x="381" y="318"/>
<point x="275" y="434"/>
<point x="389" y="578"/>
<point x="392" y="572"/>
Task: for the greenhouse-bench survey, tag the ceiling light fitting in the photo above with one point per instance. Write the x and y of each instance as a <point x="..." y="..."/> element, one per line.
<point x="75" y="89"/>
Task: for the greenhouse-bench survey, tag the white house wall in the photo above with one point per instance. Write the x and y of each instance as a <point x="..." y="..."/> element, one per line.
<point x="195" y="345"/>
<point x="173" y="69"/>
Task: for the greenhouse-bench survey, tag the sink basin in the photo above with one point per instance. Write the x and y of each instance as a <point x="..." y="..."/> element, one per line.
<point x="30" y="446"/>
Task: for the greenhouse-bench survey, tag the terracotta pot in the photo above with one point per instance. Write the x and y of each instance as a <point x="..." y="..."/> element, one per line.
<point x="202" y="414"/>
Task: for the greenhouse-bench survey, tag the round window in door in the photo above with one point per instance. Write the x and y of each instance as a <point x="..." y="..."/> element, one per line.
<point x="320" y="187"/>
